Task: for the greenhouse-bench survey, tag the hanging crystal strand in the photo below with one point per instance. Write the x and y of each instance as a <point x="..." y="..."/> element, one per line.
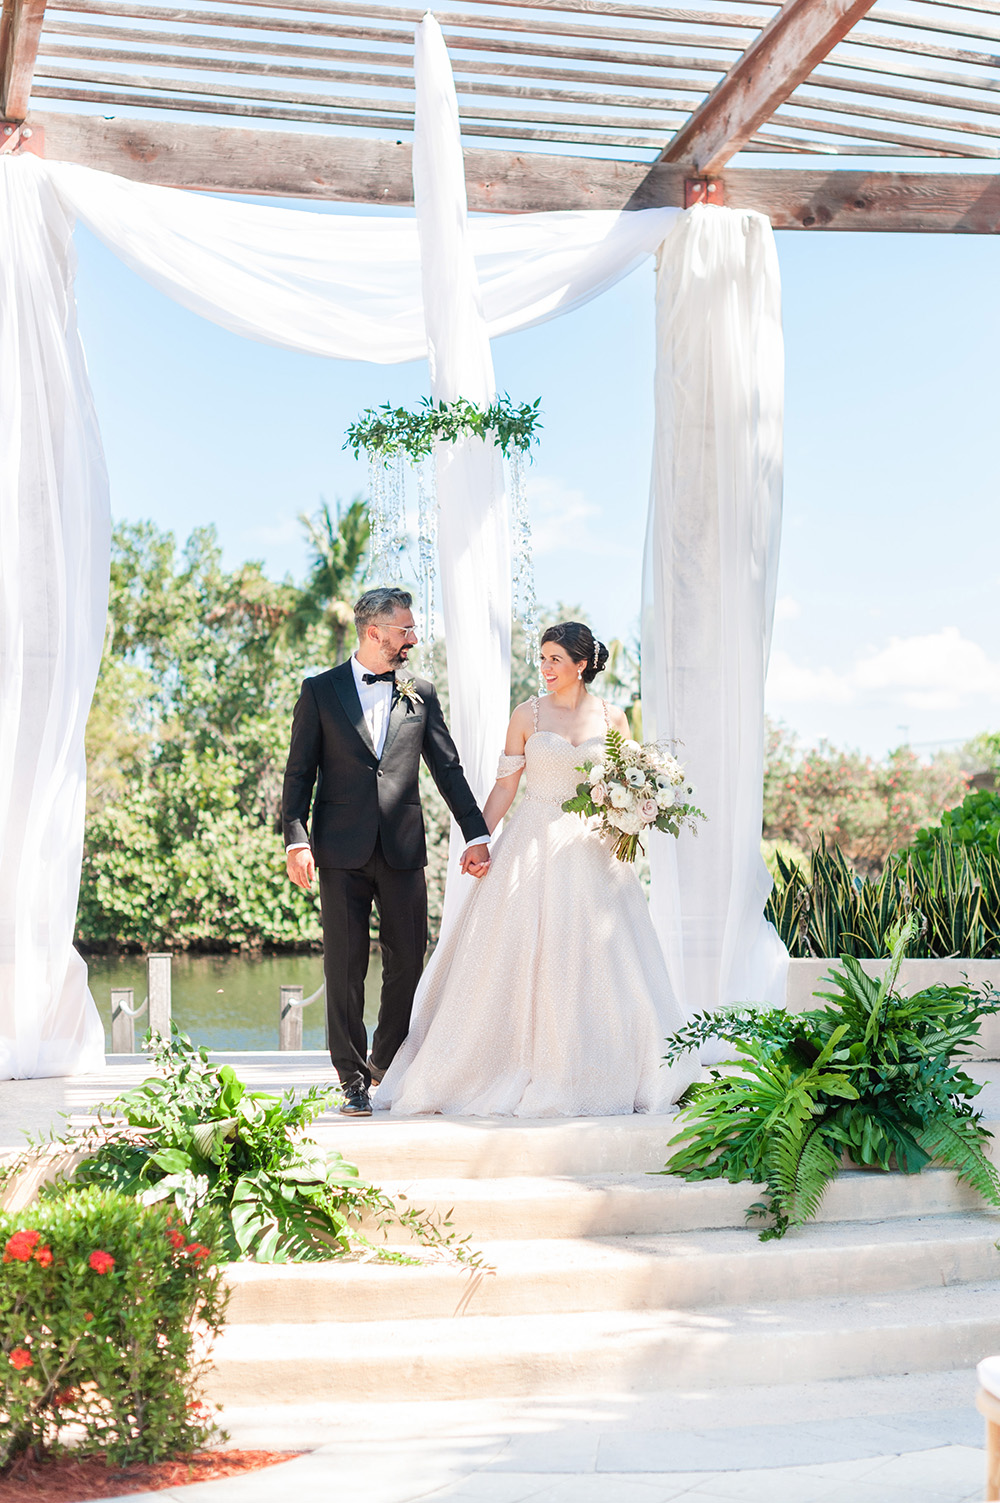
<point x="377" y="504"/>
<point x="424" y="472"/>
<point x="395" y="518"/>
<point x="525" y="602"/>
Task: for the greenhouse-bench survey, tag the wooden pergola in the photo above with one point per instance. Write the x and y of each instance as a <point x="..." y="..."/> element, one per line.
<point x="645" y="105"/>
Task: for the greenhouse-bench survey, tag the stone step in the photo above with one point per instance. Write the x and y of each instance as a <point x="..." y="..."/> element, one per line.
<point x="656" y="1272"/>
<point x="924" y="1330"/>
<point x="509" y="1209"/>
<point x="385" y="1147"/>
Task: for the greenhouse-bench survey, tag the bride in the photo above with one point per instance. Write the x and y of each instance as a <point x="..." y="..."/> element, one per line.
<point x="549" y="996"/>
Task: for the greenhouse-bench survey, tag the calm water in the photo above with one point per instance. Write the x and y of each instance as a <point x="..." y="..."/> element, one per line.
<point x="229" y="1001"/>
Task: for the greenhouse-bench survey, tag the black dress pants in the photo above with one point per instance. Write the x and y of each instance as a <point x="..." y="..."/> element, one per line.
<point x="346" y="899"/>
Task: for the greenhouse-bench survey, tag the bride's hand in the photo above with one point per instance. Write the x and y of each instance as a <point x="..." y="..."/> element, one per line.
<point x="476" y="860"/>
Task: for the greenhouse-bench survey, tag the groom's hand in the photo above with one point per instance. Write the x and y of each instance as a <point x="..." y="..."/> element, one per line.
<point x="475" y="861"/>
<point x="301" y="867"/>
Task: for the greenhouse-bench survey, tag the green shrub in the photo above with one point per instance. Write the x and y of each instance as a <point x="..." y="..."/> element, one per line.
<point x="104" y="1308"/>
<point x="873" y="1074"/>
<point x="240" y="1162"/>
<point x="975" y="822"/>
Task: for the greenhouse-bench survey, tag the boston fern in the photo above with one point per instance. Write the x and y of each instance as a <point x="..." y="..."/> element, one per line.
<point x="873" y="1075"/>
<point x="194" y="1135"/>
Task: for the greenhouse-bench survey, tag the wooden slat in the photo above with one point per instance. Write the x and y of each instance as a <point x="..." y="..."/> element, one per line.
<point x="922" y="48"/>
<point x="849" y="84"/>
<point x="929" y="23"/>
<point x="899" y="117"/>
<point x="215" y="89"/>
<point x="355" y="170"/>
<point x="598" y="135"/>
<point x="405" y="81"/>
<point x="22" y="27"/>
<point x="874" y="133"/>
<point x="457" y="42"/>
<point x="798" y="38"/>
<point x="450" y="20"/>
<point x="905" y="67"/>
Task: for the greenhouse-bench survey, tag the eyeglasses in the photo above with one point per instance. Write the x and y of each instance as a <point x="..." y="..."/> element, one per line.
<point x="408" y="631"/>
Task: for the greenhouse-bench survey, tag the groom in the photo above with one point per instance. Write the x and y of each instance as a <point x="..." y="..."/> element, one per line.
<point x="358" y="734"/>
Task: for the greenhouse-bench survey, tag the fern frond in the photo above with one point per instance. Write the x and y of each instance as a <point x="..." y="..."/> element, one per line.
<point x="957" y="1143"/>
<point x="800" y="1166"/>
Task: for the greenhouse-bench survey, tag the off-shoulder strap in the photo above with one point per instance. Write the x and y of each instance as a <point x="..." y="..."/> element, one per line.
<point x="607" y="717"/>
<point x="507" y="766"/>
<point x="534" y="709"/>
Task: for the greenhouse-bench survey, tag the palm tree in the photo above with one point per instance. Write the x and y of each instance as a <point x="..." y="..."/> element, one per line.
<point x="338" y="545"/>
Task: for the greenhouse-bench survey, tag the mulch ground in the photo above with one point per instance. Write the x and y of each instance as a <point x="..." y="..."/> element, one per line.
<point x="67" y="1479"/>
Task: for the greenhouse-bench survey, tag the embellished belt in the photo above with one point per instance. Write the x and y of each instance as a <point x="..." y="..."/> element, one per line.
<point x="544" y="798"/>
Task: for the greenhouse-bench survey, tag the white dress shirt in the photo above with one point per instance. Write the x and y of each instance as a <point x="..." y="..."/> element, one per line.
<point x="376" y="706"/>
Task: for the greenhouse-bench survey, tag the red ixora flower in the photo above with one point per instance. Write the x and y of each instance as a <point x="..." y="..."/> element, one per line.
<point x="175" y="1237"/>
<point x="88" y="1314"/>
<point x="198" y="1251"/>
<point x="66" y="1397"/>
<point x="20" y="1247"/>
<point x="43" y="1255"/>
<point x="101" y="1262"/>
<point x="20" y="1358"/>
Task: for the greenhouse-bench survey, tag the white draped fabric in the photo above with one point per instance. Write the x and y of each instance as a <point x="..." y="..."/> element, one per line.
<point x="473" y="524"/>
<point x="354" y="287"/>
<point x="54" y="544"/>
<point x="708" y="594"/>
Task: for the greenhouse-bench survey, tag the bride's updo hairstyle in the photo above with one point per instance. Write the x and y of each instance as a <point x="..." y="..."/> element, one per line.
<point x="582" y="646"/>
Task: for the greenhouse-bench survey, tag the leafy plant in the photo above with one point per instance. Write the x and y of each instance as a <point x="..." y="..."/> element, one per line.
<point x="390" y="430"/>
<point x="973" y="822"/>
<point x="872" y="1074"/>
<point x="193" y="1135"/>
<point x="106" y="1306"/>
<point x="953" y="893"/>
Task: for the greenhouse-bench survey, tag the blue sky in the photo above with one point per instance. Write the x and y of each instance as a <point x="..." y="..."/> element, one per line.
<point x="890" y="564"/>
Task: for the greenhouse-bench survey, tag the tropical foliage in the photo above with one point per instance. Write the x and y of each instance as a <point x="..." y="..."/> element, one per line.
<point x="238" y="1163"/>
<point x="973" y="824"/>
<point x="872" y="1074"/>
<point x="106" y="1309"/>
<point x="950" y="890"/>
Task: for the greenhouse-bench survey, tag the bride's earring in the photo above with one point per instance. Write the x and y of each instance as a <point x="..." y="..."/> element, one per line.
<point x="579" y="673"/>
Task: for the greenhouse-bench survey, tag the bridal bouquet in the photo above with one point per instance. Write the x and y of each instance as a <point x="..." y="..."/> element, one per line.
<point x="632" y="789"/>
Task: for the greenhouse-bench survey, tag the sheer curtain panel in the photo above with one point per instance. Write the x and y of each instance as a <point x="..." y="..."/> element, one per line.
<point x="708" y="594"/>
<point x="54" y="547"/>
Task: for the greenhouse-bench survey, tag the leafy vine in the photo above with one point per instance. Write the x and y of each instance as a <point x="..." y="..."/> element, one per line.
<point x="386" y="431"/>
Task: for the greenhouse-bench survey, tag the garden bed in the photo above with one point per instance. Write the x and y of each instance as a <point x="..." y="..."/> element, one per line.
<point x="72" y="1479"/>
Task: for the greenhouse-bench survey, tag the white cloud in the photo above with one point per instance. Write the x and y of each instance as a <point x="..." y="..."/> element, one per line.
<point x="562" y="520"/>
<point x="285" y="529"/>
<point x="786" y="608"/>
<point x="940" y="671"/>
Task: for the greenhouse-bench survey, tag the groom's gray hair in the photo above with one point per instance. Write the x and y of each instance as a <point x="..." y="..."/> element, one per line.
<point x="376" y="606"/>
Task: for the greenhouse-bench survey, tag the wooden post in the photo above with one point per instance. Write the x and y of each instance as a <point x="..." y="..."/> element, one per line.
<point x="122" y="1022"/>
<point x="290" y="1018"/>
<point x="989" y="1407"/>
<point x="158" y="991"/>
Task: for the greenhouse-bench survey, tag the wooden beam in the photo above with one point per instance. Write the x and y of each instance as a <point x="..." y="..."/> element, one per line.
<point x="19" y="33"/>
<point x="353" y="170"/>
<point x="798" y="38"/>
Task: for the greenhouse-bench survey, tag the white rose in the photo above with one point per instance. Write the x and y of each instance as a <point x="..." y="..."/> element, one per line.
<point x="596" y="774"/>
<point x="635" y="777"/>
<point x="665" y="797"/>
<point x="629" y="824"/>
<point x="619" y="796"/>
<point x="599" y="794"/>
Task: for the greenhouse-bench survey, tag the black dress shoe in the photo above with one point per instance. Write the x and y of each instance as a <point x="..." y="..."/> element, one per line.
<point x="375" y="1074"/>
<point x="356" y="1102"/>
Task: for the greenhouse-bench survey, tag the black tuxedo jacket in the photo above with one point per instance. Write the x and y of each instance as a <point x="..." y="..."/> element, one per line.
<point x="358" y="795"/>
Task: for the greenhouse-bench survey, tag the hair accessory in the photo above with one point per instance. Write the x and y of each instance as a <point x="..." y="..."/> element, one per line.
<point x="597" y="650"/>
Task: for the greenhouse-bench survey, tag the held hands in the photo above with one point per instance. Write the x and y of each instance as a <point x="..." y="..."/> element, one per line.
<point x="475" y="861"/>
<point x="301" y="867"/>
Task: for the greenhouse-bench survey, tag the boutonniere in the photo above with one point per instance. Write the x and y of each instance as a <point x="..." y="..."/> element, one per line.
<point x="407" y="689"/>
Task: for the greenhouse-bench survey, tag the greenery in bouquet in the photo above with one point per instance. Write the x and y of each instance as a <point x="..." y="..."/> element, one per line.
<point x="872" y="1075"/>
<point x="631" y="790"/>
<point x="194" y="1137"/>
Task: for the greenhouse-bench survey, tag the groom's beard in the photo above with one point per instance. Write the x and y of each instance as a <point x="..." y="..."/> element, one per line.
<point x="398" y="659"/>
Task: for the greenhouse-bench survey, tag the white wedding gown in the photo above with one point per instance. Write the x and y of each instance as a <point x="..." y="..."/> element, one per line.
<point x="549" y="995"/>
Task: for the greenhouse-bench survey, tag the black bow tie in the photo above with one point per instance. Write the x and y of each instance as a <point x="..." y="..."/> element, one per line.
<point x="379" y="678"/>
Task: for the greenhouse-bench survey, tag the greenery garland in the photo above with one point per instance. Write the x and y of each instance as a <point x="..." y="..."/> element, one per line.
<point x="387" y="430"/>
